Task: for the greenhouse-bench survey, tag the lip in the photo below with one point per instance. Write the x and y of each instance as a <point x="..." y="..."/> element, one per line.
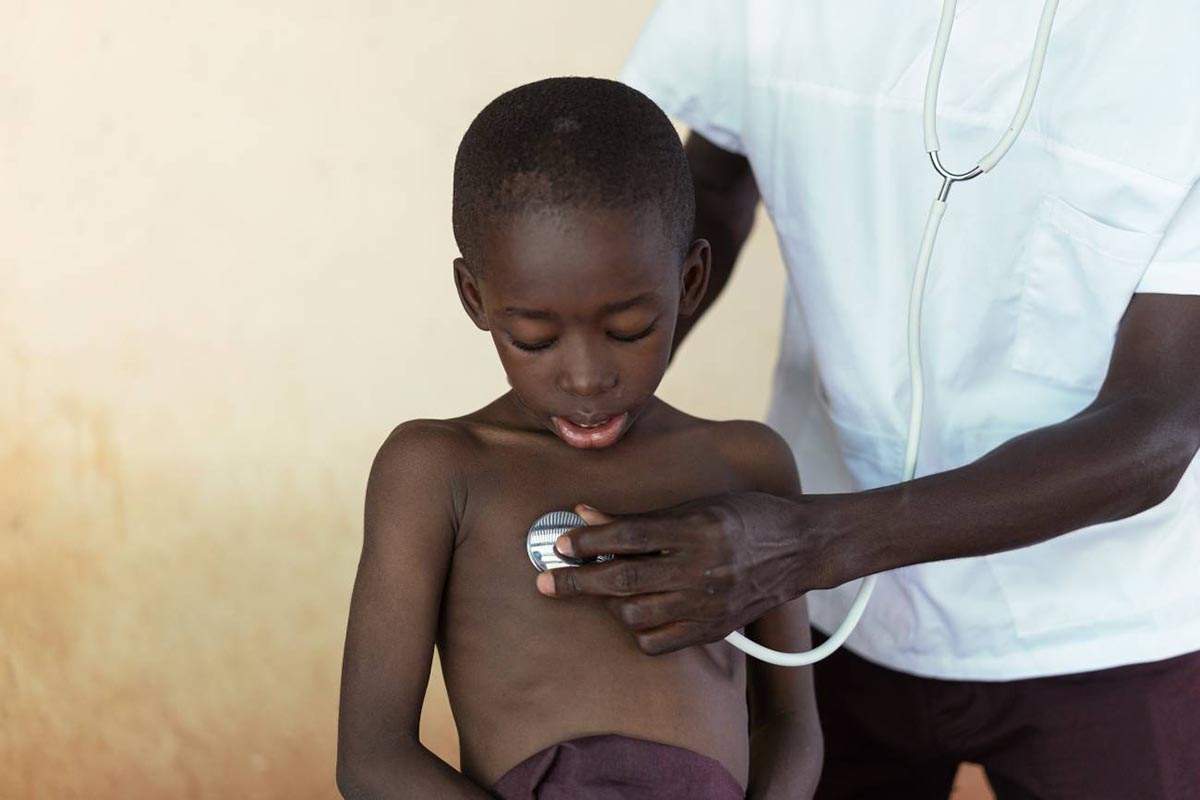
<point x="591" y="433"/>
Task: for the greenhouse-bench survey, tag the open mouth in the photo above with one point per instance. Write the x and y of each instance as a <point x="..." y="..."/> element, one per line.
<point x="592" y="434"/>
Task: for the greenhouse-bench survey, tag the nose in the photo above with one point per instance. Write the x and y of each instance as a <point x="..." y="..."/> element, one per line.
<point x="583" y="372"/>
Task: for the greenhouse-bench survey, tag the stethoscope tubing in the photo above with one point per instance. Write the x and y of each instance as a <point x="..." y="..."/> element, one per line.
<point x="933" y="222"/>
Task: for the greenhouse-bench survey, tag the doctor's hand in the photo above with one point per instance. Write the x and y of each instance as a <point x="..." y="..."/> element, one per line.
<point x="692" y="573"/>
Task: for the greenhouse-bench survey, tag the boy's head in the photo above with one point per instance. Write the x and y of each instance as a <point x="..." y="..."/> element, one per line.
<point x="573" y="211"/>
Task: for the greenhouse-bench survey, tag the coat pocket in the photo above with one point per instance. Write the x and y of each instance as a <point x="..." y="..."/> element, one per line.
<point x="1077" y="275"/>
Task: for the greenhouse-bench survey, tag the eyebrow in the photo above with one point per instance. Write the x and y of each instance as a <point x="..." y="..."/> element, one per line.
<point x="621" y="305"/>
<point x="607" y="308"/>
<point x="531" y="313"/>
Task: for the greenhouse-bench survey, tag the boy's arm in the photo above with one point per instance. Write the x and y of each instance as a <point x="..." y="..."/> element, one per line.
<point x="408" y="539"/>
<point x="786" y="748"/>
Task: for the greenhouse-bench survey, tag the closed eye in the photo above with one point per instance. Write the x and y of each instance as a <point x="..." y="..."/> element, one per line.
<point x="532" y="348"/>
<point x="634" y="337"/>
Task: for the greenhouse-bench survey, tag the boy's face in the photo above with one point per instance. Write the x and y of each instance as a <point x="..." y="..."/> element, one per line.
<point x="582" y="304"/>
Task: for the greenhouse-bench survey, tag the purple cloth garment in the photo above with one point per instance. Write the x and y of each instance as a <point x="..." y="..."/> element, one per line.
<point x="612" y="767"/>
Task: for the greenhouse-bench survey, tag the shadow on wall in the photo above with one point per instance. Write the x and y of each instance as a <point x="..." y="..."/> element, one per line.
<point x="150" y="619"/>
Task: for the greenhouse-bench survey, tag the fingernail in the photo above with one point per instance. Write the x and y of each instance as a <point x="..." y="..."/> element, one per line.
<point x="586" y="507"/>
<point x="563" y="545"/>
<point x="545" y="583"/>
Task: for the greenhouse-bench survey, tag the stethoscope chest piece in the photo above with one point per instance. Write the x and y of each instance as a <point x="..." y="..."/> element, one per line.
<point x="539" y="542"/>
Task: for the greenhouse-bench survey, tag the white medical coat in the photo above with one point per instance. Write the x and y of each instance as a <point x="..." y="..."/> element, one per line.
<point x="1034" y="266"/>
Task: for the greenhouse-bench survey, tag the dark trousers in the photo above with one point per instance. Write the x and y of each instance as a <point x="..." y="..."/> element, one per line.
<point x="1126" y="733"/>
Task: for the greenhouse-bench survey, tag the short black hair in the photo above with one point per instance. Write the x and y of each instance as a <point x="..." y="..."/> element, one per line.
<point x="576" y="142"/>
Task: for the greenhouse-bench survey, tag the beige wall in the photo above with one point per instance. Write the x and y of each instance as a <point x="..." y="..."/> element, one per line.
<point x="224" y="276"/>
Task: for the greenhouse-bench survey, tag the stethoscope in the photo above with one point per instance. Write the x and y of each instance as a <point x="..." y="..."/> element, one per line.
<point x="540" y="540"/>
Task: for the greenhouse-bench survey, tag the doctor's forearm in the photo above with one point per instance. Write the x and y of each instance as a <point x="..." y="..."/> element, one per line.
<point x="1121" y="455"/>
<point x="1105" y="464"/>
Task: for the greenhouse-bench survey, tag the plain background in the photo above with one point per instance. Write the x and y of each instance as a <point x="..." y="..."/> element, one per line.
<point x="225" y="255"/>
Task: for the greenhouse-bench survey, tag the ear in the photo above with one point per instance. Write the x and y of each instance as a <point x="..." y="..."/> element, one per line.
<point x="468" y="293"/>
<point x="693" y="277"/>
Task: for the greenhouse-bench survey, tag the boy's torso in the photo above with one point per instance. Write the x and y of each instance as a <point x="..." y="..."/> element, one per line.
<point x="526" y="671"/>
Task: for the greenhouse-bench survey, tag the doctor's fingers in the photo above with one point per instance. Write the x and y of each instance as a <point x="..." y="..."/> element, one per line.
<point x="646" y="611"/>
<point x="632" y="535"/>
<point x="675" y="636"/>
<point x="620" y="577"/>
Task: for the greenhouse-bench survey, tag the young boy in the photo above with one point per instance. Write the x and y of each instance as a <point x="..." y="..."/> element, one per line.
<point x="573" y="210"/>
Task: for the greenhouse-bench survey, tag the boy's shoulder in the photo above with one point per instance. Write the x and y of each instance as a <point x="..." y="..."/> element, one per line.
<point x="444" y="446"/>
<point x="757" y="451"/>
<point x="752" y="450"/>
<point x="425" y="459"/>
<point x="429" y="443"/>
<point x="431" y="452"/>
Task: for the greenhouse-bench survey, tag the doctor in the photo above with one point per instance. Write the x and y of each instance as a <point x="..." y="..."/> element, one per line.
<point x="1038" y="607"/>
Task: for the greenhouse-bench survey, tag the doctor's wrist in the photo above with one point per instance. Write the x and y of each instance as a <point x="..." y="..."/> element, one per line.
<point x="843" y="537"/>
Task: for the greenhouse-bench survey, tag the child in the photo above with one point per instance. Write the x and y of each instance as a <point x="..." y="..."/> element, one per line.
<point x="573" y="210"/>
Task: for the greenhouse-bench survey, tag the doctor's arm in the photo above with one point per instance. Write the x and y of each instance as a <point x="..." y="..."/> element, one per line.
<point x="407" y="541"/>
<point x="727" y="559"/>
<point x="726" y="199"/>
<point x="1123" y="454"/>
